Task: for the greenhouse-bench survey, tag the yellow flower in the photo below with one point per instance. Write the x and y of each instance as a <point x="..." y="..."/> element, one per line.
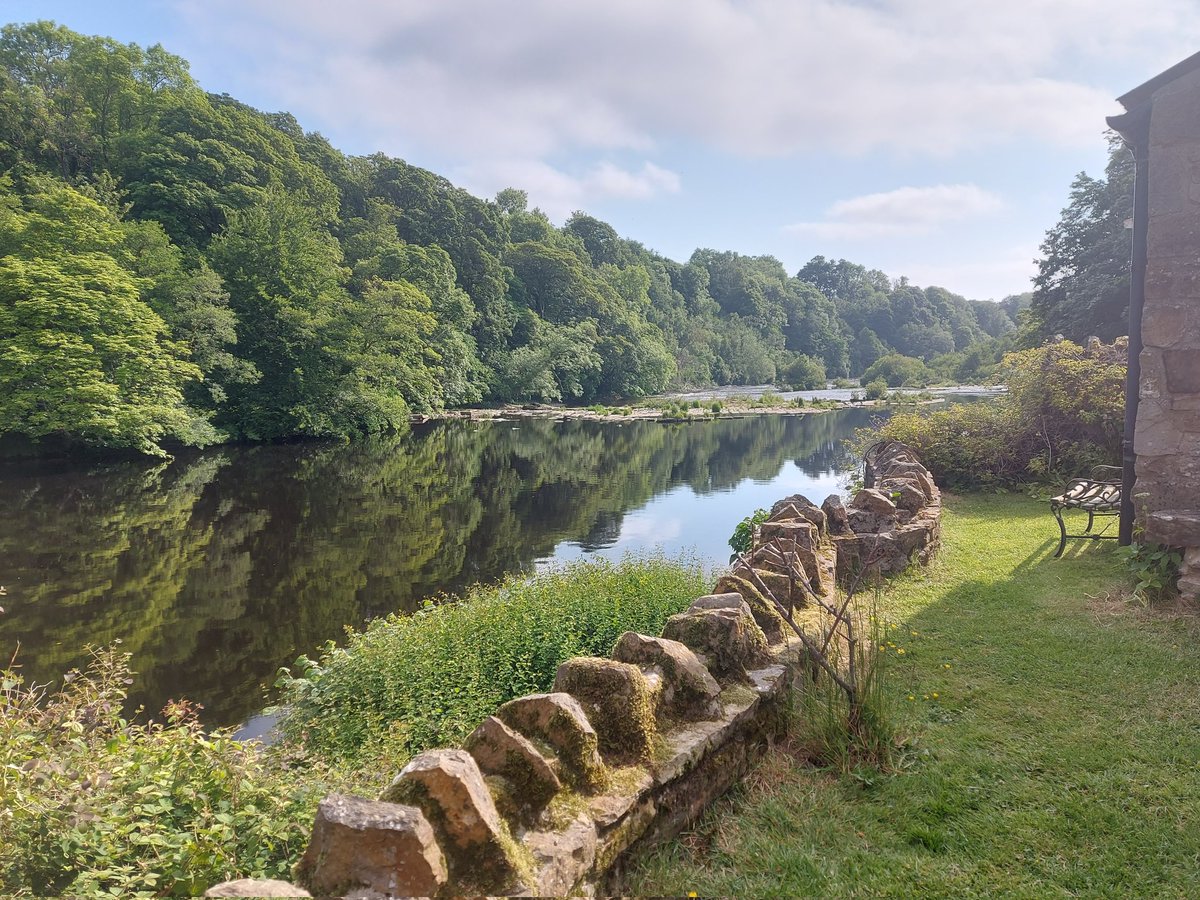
<point x="934" y="695"/>
<point x="926" y="696"/>
<point x="692" y="893"/>
<point x="945" y="665"/>
<point x="914" y="634"/>
<point x="900" y="650"/>
<point x="883" y="646"/>
<point x="911" y="697"/>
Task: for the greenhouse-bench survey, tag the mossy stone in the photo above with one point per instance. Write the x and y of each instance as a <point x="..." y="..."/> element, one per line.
<point x="618" y="703"/>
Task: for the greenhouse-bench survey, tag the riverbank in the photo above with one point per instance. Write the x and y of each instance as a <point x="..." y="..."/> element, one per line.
<point x="1051" y="742"/>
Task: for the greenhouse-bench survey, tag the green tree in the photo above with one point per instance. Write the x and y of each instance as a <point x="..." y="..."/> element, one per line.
<point x="82" y="357"/>
<point x="1082" y="285"/>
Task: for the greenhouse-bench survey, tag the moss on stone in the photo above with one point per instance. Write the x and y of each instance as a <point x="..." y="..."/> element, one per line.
<point x="618" y="702"/>
<point x="763" y="610"/>
<point x="578" y="752"/>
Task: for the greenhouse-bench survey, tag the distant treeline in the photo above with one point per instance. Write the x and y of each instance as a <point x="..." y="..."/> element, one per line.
<point x="178" y="267"/>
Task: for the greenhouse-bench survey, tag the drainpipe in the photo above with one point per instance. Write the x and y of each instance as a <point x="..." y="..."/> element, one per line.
<point x="1134" y="127"/>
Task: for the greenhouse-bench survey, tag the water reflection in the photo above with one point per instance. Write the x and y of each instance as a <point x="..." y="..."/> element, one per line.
<point x="219" y="567"/>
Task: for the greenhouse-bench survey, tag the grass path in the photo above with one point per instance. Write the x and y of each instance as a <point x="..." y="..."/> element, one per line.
<point x="1057" y="755"/>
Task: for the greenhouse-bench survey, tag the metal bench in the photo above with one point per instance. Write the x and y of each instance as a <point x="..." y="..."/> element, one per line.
<point x="1099" y="495"/>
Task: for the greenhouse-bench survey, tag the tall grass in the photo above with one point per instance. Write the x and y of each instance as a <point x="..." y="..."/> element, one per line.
<point x="406" y="684"/>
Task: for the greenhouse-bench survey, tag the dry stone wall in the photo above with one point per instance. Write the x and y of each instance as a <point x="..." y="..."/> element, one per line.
<point x="556" y="792"/>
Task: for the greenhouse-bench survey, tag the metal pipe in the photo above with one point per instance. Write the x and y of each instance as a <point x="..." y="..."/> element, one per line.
<point x="1135" y="128"/>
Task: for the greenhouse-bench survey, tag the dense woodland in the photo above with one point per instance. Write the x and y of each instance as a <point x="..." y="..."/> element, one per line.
<point x="176" y="267"/>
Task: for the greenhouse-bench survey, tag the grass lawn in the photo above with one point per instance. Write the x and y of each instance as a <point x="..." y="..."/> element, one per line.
<point x="1057" y="754"/>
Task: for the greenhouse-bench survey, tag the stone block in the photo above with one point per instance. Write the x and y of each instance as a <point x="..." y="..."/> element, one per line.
<point x="801" y="532"/>
<point x="689" y="690"/>
<point x="1168" y="283"/>
<point x="1163" y="326"/>
<point x="1183" y="370"/>
<point x="864" y="521"/>
<point x="558" y="720"/>
<point x="256" y="887"/>
<point x="797" y="506"/>
<point x="500" y="751"/>
<point x="761" y="608"/>
<point x="730" y="642"/>
<point x="874" y="501"/>
<point x="618" y="703"/>
<point x="1173" y="236"/>
<point x="367" y="845"/>
<point x="721" y="600"/>
<point x="835" y="514"/>
<point x="1155" y="433"/>
<point x="1174" y="527"/>
<point x="447" y="786"/>
<point x="562" y="859"/>
<point x="904" y="493"/>
<point x="1174" y="185"/>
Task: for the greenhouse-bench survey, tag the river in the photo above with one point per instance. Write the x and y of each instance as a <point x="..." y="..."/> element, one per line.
<point x="215" y="569"/>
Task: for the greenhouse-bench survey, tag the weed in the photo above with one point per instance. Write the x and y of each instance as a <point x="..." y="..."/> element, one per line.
<point x="408" y="683"/>
<point x="1154" y="570"/>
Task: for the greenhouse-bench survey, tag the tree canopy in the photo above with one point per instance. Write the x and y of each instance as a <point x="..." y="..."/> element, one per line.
<point x="178" y="267"/>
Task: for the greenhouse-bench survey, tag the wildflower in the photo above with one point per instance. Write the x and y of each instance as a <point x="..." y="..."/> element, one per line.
<point x="914" y="634"/>
<point x="934" y="695"/>
<point x="883" y="646"/>
<point x="900" y="651"/>
<point x="912" y="698"/>
<point x="945" y="665"/>
<point x="926" y="696"/>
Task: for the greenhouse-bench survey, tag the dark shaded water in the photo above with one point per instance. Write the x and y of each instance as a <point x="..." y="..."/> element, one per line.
<point x="221" y="566"/>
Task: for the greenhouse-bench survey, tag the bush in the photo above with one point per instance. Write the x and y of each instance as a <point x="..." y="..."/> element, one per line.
<point x="408" y="683"/>
<point x="1062" y="415"/>
<point x="876" y="390"/>
<point x="94" y="805"/>
<point x="803" y="373"/>
<point x="898" y="371"/>
<point x="743" y="534"/>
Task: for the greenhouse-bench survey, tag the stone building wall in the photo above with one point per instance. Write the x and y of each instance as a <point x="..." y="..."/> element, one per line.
<point x="1167" y="434"/>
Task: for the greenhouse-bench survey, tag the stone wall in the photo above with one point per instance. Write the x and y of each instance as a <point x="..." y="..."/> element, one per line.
<point x="556" y="792"/>
<point x="1167" y="434"/>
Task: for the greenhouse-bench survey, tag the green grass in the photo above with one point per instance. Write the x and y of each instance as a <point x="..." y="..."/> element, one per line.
<point x="1054" y="743"/>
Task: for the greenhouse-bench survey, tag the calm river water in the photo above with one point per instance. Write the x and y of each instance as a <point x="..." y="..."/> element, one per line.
<point x="217" y="568"/>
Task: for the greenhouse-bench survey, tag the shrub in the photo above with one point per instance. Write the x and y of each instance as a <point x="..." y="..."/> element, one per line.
<point x="1062" y="415"/>
<point x="408" y="683"/>
<point x="95" y="805"/>
<point x="898" y="371"/>
<point x="743" y="535"/>
<point x="876" y="390"/>
<point x="803" y="373"/>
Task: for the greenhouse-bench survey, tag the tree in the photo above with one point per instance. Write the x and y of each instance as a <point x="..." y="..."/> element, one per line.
<point x="1082" y="285"/>
<point x="82" y="357"/>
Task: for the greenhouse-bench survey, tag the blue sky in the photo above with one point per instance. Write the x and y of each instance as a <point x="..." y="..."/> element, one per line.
<point x="930" y="138"/>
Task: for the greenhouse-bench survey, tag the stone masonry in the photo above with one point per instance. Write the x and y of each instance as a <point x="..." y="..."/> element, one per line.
<point x="1167" y="433"/>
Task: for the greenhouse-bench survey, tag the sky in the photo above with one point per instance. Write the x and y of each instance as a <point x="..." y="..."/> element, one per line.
<point x="933" y="139"/>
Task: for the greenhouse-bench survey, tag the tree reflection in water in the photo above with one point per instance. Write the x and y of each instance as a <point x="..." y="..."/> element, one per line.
<point x="217" y="568"/>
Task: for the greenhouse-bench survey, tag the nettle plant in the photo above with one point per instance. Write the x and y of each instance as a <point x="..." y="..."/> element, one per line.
<point x="1154" y="569"/>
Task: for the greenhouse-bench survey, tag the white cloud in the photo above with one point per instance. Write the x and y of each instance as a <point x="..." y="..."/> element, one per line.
<point x="477" y="78"/>
<point x="559" y="193"/>
<point x="1006" y="270"/>
<point x="903" y="211"/>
